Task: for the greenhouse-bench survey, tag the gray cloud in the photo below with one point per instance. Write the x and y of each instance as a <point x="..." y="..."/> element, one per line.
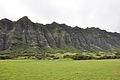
<point x="104" y="14"/>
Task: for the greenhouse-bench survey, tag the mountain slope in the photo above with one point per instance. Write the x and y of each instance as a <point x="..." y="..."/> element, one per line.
<point x="25" y="33"/>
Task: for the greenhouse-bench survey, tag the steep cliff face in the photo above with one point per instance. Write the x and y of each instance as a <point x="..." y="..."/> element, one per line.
<point x="26" y="33"/>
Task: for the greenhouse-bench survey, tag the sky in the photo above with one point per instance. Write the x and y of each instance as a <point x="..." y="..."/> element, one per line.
<point x="104" y="14"/>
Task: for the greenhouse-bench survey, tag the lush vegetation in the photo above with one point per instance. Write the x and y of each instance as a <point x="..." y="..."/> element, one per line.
<point x="35" y="52"/>
<point x="59" y="70"/>
<point x="42" y="55"/>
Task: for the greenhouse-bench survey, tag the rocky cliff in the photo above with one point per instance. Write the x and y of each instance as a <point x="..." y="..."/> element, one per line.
<point x="24" y="32"/>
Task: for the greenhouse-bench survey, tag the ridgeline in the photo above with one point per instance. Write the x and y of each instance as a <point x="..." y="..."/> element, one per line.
<point x="25" y="36"/>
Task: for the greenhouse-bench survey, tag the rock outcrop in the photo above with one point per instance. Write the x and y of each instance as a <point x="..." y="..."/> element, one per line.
<point x="54" y="35"/>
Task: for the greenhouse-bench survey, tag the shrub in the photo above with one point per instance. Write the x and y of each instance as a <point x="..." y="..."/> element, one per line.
<point x="109" y="57"/>
<point x="98" y="55"/>
<point x="117" y="53"/>
<point x="55" y="57"/>
<point x="38" y="57"/>
<point x="67" y="56"/>
<point x="49" y="58"/>
<point x="81" y="57"/>
<point x="3" y="57"/>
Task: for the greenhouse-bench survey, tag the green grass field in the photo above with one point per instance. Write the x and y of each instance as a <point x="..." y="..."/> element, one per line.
<point x="60" y="70"/>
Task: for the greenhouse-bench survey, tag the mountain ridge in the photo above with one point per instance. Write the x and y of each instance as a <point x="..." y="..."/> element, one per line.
<point x="55" y="35"/>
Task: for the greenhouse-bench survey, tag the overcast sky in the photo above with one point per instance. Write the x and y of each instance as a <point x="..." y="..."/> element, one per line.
<point x="104" y="14"/>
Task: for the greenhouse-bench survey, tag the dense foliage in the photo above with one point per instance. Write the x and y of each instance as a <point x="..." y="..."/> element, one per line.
<point x="51" y="56"/>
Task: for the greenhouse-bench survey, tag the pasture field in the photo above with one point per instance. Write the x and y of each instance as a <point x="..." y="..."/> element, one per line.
<point x="60" y="69"/>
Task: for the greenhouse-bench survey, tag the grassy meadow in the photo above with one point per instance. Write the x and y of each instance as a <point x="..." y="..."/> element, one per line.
<point x="62" y="69"/>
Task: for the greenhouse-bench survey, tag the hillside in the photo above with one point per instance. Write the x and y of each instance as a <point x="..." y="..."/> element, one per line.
<point x="25" y="35"/>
